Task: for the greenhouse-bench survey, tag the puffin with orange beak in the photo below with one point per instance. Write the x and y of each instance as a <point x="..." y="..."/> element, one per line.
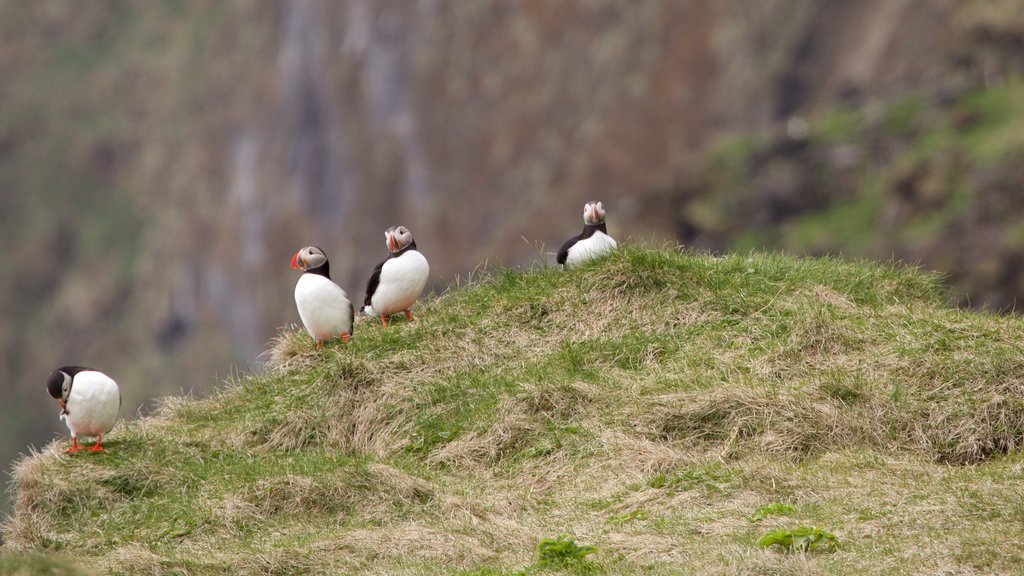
<point x="324" y="307"/>
<point x="399" y="280"/>
<point x="89" y="402"/>
<point x="594" y="241"/>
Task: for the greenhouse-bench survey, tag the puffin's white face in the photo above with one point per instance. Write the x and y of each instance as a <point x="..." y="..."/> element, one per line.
<point x="59" y="385"/>
<point x="308" y="258"/>
<point x="398" y="237"/>
<point x="593" y="213"/>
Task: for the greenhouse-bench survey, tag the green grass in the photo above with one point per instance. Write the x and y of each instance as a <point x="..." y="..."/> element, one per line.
<point x="650" y="404"/>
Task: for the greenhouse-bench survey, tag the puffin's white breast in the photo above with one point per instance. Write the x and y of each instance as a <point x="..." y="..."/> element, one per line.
<point x="323" y="306"/>
<point x="402" y="280"/>
<point x="597" y="245"/>
<point x="93" y="404"/>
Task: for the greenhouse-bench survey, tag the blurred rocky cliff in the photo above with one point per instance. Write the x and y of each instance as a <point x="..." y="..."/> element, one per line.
<point x="161" y="161"/>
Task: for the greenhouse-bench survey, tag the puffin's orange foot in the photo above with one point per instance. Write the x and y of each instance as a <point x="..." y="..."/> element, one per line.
<point x="74" y="446"/>
<point x="384" y="320"/>
<point x="344" y="337"/>
<point x="408" y="315"/>
<point x="317" y="344"/>
<point x="96" y="447"/>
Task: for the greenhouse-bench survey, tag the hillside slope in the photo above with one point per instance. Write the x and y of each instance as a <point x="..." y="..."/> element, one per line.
<point x="647" y="404"/>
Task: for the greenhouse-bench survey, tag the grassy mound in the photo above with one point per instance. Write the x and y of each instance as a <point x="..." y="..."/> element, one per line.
<point x="647" y="404"/>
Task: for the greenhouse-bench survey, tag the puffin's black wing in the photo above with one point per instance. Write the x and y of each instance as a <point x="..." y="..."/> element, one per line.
<point x="563" y="252"/>
<point x="371" y="284"/>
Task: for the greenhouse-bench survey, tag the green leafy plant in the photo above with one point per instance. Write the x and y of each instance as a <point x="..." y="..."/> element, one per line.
<point x="425" y="440"/>
<point x="800" y="539"/>
<point x="564" y="552"/>
<point x="628" y="517"/>
<point x="773" y="509"/>
<point x="711" y="479"/>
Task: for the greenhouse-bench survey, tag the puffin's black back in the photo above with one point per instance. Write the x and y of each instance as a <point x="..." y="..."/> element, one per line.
<point x="55" y="382"/>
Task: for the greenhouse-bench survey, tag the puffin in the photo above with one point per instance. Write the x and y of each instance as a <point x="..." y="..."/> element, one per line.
<point x="89" y="402"/>
<point x="324" y="307"/>
<point x="399" y="280"/>
<point x="594" y="241"/>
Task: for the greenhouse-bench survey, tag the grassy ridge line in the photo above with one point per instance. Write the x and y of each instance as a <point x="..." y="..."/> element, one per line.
<point x="646" y="403"/>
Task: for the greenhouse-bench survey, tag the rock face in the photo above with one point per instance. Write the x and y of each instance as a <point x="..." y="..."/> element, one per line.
<point x="160" y="164"/>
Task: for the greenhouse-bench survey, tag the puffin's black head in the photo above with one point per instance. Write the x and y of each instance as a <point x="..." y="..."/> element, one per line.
<point x="399" y="238"/>
<point x="310" y="259"/>
<point x="59" y="384"/>
<point x="593" y="213"/>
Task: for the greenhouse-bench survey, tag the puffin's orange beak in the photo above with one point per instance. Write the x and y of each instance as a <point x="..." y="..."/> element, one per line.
<point x="63" y="405"/>
<point x="295" y="262"/>
<point x="392" y="245"/>
<point x="593" y="214"/>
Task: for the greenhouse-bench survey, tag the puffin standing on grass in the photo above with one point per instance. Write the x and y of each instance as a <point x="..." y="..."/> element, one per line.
<point x="324" y="308"/>
<point x="89" y="402"/>
<point x="397" y="282"/>
<point x="594" y="241"/>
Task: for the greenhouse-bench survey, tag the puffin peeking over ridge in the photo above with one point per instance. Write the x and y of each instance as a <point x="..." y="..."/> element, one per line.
<point x="592" y="242"/>
<point x="399" y="280"/>
<point x="324" y="307"/>
<point x="89" y="402"/>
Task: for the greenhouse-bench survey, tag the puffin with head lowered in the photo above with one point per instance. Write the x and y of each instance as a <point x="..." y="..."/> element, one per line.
<point x="324" y="307"/>
<point x="399" y="280"/>
<point x="89" y="402"/>
<point x="594" y="241"/>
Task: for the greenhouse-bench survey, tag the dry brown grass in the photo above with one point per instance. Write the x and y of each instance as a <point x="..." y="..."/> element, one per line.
<point x="377" y="487"/>
<point x="519" y="420"/>
<point x="782" y="423"/>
